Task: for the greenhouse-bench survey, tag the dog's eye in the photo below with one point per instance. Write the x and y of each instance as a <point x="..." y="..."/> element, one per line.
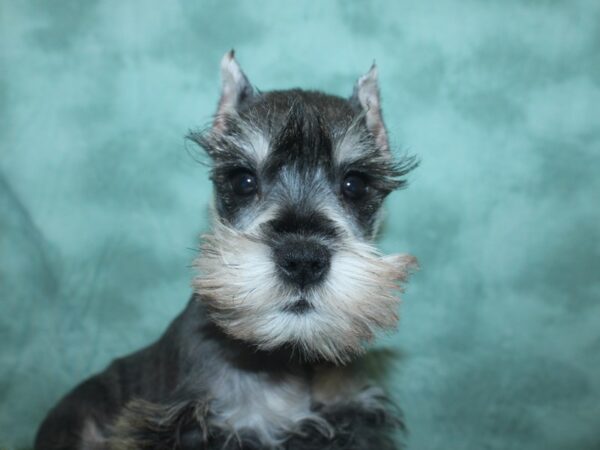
<point x="244" y="183"/>
<point x="354" y="186"/>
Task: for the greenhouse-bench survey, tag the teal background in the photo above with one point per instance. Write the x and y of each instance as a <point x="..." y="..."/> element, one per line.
<point x="102" y="203"/>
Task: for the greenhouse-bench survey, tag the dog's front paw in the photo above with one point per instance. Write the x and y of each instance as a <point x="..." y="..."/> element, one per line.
<point x="144" y="425"/>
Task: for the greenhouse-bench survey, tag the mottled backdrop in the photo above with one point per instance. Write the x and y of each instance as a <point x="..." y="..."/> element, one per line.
<point x="102" y="202"/>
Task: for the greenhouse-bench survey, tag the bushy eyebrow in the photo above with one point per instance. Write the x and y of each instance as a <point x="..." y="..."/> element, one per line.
<point x="233" y="148"/>
<point x="382" y="172"/>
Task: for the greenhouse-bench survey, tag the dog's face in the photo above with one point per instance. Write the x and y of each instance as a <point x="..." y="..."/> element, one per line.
<point x="299" y="181"/>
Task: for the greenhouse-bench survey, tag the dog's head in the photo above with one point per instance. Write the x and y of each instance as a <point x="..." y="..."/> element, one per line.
<point x="299" y="177"/>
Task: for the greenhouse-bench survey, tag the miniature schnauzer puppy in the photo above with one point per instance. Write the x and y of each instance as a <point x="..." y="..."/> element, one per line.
<point x="289" y="290"/>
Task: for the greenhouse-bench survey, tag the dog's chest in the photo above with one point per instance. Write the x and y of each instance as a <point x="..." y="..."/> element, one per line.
<point x="271" y="405"/>
<point x="265" y="403"/>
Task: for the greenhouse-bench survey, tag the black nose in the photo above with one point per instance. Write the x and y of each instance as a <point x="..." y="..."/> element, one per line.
<point x="302" y="262"/>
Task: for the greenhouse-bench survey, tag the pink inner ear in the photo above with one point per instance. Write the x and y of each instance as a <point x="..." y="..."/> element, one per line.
<point x="367" y="90"/>
<point x="377" y="127"/>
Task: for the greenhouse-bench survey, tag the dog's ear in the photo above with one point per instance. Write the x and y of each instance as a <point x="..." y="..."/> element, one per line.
<point x="366" y="97"/>
<point x="235" y="89"/>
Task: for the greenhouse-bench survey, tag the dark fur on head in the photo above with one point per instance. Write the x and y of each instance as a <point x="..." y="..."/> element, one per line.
<point x="289" y="290"/>
<point x="305" y="130"/>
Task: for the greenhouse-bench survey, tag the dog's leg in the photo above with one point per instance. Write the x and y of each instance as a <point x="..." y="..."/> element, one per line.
<point x="76" y="423"/>
<point x="144" y="425"/>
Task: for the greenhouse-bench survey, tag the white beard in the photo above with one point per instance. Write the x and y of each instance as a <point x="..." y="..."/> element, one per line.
<point x="246" y="297"/>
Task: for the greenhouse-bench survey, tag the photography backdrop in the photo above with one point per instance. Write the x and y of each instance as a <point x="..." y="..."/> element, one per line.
<point x="102" y="202"/>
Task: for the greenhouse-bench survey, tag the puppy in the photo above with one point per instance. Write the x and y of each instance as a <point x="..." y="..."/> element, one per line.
<point x="289" y="290"/>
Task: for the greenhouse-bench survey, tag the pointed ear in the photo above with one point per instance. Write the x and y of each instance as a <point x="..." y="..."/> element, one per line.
<point x="366" y="95"/>
<point x="235" y="88"/>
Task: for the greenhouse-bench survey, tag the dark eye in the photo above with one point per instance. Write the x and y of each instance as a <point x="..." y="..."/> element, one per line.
<point x="354" y="186"/>
<point x="244" y="184"/>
